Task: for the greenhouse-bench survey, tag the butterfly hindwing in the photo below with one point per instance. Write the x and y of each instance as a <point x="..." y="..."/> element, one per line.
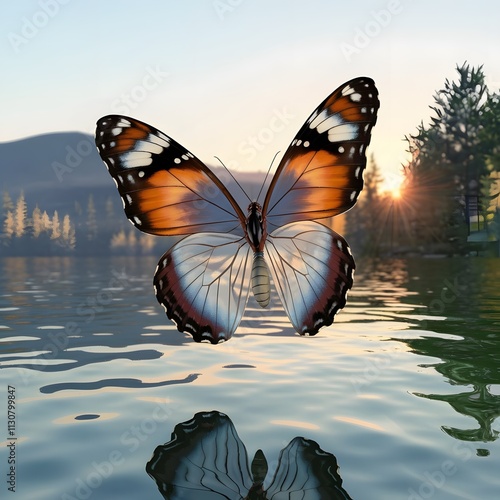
<point x="321" y="173"/>
<point x="165" y="189"/>
<point x="312" y="268"/>
<point x="205" y="459"/>
<point x="203" y="283"/>
<point x="307" y="472"/>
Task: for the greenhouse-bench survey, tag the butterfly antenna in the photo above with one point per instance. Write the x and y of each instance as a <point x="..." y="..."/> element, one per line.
<point x="267" y="175"/>
<point x="234" y="178"/>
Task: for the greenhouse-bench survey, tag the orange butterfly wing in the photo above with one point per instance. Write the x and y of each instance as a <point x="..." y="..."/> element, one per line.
<point x="165" y="189"/>
<point x="321" y="173"/>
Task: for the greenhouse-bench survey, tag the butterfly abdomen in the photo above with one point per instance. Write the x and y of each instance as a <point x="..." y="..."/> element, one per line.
<point x="261" y="286"/>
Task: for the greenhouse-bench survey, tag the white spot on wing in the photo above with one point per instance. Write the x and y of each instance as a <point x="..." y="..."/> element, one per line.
<point x="136" y="159"/>
<point x="161" y="140"/>
<point x="149" y="147"/>
<point x="124" y="123"/>
<point x="346" y="90"/>
<point x="345" y="132"/>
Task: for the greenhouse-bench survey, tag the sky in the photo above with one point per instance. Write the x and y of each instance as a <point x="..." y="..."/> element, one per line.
<point x="235" y="79"/>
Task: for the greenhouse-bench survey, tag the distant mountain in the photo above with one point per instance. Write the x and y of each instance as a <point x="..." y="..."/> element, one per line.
<point x="63" y="172"/>
<point x="51" y="161"/>
<point x="53" y="170"/>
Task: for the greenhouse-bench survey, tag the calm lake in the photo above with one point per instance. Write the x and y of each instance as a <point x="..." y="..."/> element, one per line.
<point x="402" y="392"/>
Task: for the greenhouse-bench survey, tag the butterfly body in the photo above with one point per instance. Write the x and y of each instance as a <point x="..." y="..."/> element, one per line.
<point x="256" y="227"/>
<point x="256" y="235"/>
<point x="260" y="279"/>
<point x="204" y="280"/>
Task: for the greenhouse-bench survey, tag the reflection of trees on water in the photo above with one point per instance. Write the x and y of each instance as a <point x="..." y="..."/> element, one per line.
<point x="206" y="460"/>
<point x="466" y="293"/>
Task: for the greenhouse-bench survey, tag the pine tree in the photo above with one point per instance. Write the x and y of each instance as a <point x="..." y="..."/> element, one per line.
<point x="9" y="225"/>
<point x="449" y="158"/>
<point x="132" y="241"/>
<point x="46" y="223"/>
<point x="36" y="222"/>
<point x="119" y="240"/>
<point x="56" y="227"/>
<point x="8" y="205"/>
<point x="147" y="243"/>
<point x="68" y="233"/>
<point x="20" y="220"/>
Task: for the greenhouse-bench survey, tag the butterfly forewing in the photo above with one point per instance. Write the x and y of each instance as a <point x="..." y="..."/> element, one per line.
<point x="312" y="268"/>
<point x="165" y="189"/>
<point x="321" y="173"/>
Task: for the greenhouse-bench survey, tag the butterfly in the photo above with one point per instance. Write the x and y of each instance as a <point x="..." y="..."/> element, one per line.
<point x="204" y="280"/>
<point x="206" y="460"/>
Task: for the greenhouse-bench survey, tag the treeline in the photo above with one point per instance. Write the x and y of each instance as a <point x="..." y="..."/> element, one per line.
<point x="19" y="226"/>
<point x="449" y="199"/>
<point x="77" y="232"/>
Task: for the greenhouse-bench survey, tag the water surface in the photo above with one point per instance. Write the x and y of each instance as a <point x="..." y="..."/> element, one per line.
<point x="402" y="392"/>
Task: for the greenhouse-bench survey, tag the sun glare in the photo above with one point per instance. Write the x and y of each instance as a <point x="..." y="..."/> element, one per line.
<point x="392" y="185"/>
<point x="396" y="192"/>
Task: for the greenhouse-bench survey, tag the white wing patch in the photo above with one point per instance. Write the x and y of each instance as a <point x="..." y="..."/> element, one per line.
<point x="338" y="129"/>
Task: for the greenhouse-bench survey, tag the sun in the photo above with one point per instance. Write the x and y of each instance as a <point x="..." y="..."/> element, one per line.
<point x="392" y="185"/>
<point x="396" y="192"/>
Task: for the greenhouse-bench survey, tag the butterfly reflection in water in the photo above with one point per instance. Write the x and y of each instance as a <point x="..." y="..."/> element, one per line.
<point x="206" y="460"/>
<point x="204" y="280"/>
